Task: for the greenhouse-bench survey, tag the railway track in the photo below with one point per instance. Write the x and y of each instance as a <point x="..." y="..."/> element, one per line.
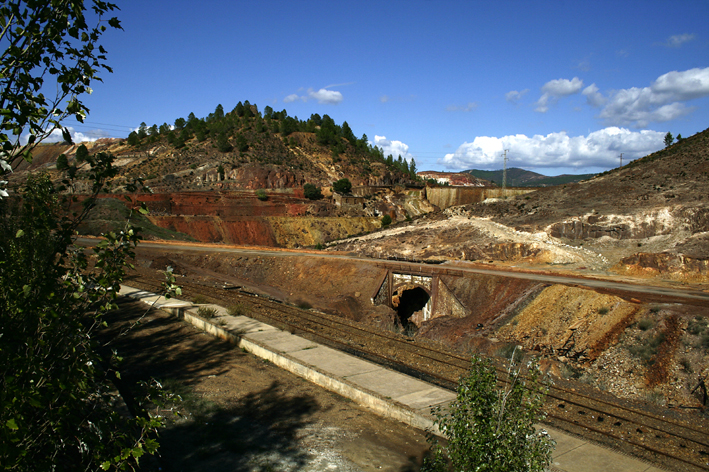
<point x="672" y="442"/>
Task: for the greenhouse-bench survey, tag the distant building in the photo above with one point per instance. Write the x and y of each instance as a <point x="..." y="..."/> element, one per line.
<point x="348" y="201"/>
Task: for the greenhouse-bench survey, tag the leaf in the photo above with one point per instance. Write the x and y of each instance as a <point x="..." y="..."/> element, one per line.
<point x="67" y="135"/>
<point x="106" y="465"/>
<point x="137" y="452"/>
<point x="19" y="233"/>
<point x="12" y="424"/>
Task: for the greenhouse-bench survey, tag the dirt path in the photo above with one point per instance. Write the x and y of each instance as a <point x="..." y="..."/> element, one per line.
<point x="245" y="414"/>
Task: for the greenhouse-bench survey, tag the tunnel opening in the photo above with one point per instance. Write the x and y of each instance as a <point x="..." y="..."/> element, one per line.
<point x="411" y="301"/>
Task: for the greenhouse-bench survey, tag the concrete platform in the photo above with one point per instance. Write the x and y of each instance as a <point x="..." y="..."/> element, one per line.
<point x="387" y="392"/>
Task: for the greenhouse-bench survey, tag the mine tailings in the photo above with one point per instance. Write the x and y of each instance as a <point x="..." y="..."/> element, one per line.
<point x="239" y="217"/>
<point x="464" y="311"/>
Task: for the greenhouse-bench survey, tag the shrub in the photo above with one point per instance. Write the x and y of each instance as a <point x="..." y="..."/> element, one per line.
<point x="508" y="350"/>
<point x="199" y="300"/>
<point x="386" y="220"/>
<point x="342" y="186"/>
<point x="602" y="311"/>
<point x="490" y="428"/>
<point x="645" y="324"/>
<point x="647" y="348"/>
<point x="312" y="192"/>
<point x="237" y="309"/>
<point x="207" y="312"/>
<point x="261" y="195"/>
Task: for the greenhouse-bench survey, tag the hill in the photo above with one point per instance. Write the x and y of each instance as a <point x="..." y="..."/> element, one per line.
<point x="241" y="177"/>
<point x="241" y="149"/>
<point x="517" y="177"/>
<point x="649" y="218"/>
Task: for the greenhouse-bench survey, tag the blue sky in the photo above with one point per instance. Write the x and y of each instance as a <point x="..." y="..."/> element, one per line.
<point x="566" y="86"/>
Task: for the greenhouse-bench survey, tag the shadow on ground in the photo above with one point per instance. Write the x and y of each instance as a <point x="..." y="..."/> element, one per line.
<point x="259" y="433"/>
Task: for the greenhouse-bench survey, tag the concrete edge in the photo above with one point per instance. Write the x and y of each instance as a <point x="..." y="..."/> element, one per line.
<point x="383" y="406"/>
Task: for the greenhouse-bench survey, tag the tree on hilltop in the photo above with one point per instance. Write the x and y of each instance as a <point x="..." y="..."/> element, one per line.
<point x="669" y="139"/>
<point x="219" y="112"/>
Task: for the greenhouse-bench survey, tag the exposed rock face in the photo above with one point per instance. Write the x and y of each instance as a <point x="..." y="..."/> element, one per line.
<point x="256" y="177"/>
<point x="271" y="231"/>
<point x="655" y="222"/>
<point x="672" y="266"/>
<point x="584" y="324"/>
<point x="446" y="197"/>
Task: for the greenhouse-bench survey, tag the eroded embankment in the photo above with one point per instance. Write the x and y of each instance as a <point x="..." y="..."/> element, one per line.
<point x="621" y="345"/>
<point x="274" y="231"/>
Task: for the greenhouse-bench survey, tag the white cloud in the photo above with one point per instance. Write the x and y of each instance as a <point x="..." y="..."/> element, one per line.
<point x="598" y="149"/>
<point x="659" y="102"/>
<point x="513" y="96"/>
<point x="465" y="108"/>
<point x="384" y="98"/>
<point x="323" y="96"/>
<point x="326" y="96"/>
<point x="593" y="96"/>
<point x="395" y="148"/>
<point x="555" y="89"/>
<point x="678" y="40"/>
<point x="293" y="97"/>
<point x="78" y="137"/>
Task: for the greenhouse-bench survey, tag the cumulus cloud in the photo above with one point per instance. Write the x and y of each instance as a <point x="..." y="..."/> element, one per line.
<point x="660" y="102"/>
<point x="78" y="137"/>
<point x="598" y="149"/>
<point x="555" y="89"/>
<point x="593" y="96"/>
<point x="678" y="40"/>
<point x="323" y="96"/>
<point x="513" y="96"/>
<point x="395" y="148"/>
<point x="465" y="108"/>
<point x="326" y="96"/>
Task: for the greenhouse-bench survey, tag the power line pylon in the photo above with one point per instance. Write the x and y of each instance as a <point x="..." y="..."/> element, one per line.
<point x="504" y="170"/>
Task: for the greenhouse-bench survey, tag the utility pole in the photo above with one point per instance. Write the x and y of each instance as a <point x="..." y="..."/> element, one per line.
<point x="621" y="159"/>
<point x="504" y="170"/>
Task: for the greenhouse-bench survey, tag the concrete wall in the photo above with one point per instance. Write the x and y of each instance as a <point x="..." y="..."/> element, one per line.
<point x="444" y="197"/>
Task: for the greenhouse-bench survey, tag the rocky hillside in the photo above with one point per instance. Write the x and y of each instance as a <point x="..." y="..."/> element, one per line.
<point x="650" y="217"/>
<point x="241" y="149"/>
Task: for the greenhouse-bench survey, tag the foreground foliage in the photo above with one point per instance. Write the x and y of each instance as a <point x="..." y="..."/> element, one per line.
<point x="490" y="428"/>
<point x="59" y="403"/>
<point x="46" y="41"/>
